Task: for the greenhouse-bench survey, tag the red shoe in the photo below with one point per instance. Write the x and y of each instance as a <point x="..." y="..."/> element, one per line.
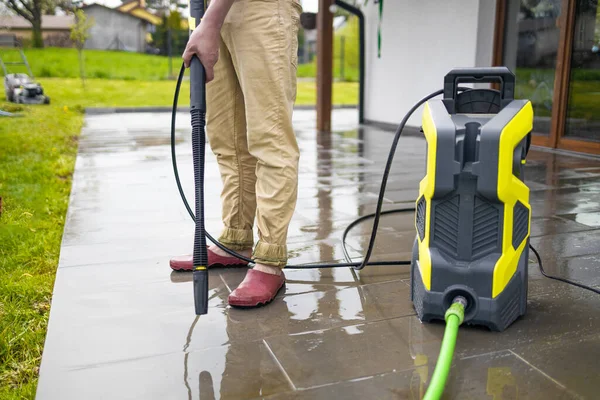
<point x="257" y="288"/>
<point x="186" y="263"/>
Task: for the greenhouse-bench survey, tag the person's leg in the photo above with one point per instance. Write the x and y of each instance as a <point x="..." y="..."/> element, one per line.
<point x="262" y="38"/>
<point x="226" y="131"/>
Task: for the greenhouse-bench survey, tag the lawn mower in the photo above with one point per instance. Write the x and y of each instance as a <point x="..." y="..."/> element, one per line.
<point x="19" y="87"/>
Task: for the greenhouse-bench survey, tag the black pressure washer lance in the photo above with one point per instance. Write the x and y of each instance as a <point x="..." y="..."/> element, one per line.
<point x="473" y="218"/>
<point x="198" y="116"/>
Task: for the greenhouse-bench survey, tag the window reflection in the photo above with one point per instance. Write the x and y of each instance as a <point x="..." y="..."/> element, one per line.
<point x="530" y="47"/>
<point x="583" y="110"/>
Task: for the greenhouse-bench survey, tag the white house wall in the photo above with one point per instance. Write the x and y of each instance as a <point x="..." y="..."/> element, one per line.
<point x="421" y="42"/>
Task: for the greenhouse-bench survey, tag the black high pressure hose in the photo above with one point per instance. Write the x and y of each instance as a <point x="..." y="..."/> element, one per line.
<point x="200" y="277"/>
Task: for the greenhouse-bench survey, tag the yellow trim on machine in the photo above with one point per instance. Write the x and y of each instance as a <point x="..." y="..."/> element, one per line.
<point x="426" y="189"/>
<point x="511" y="190"/>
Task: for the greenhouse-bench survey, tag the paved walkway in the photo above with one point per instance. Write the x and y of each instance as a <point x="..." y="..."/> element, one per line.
<point x="122" y="325"/>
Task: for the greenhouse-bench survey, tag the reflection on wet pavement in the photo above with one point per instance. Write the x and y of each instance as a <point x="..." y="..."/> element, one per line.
<point x="122" y="324"/>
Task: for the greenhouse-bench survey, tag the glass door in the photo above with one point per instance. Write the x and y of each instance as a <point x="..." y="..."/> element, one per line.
<point x="531" y="42"/>
<point x="553" y="47"/>
<point x="581" y="130"/>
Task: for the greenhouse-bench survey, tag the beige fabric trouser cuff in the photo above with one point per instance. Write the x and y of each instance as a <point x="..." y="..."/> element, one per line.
<point x="264" y="253"/>
<point x="270" y="254"/>
<point x="237" y="239"/>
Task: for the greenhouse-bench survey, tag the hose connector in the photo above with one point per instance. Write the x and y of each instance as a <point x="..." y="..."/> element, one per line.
<point x="459" y="304"/>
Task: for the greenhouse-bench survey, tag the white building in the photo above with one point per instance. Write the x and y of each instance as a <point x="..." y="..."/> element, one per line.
<point x="421" y="41"/>
<point x="552" y="46"/>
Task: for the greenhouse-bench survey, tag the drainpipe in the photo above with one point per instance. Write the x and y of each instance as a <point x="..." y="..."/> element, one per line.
<point x="361" y="39"/>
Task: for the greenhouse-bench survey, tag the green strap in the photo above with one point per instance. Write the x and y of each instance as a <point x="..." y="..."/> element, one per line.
<point x="378" y="27"/>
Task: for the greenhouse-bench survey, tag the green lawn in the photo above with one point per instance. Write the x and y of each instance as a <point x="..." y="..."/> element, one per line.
<point x="63" y="63"/>
<point x="109" y="93"/>
<point x="37" y="155"/>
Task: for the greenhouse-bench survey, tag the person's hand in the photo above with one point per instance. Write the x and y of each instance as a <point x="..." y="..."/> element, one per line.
<point x="204" y="43"/>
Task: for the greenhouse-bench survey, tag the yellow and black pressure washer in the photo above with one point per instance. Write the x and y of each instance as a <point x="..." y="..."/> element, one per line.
<point x="473" y="214"/>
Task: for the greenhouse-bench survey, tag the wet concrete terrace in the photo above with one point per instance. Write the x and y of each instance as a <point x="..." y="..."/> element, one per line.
<point x="122" y="325"/>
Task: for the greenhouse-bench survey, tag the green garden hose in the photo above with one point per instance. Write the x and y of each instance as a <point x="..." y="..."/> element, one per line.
<point x="454" y="318"/>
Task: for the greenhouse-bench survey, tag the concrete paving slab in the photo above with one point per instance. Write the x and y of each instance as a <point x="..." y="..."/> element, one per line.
<point x="122" y="324"/>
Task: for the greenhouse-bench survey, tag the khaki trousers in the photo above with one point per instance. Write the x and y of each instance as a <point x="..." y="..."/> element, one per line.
<point x="249" y="125"/>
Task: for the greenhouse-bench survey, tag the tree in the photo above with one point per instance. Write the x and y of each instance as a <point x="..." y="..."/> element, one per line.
<point x="32" y="11"/>
<point x="79" y="34"/>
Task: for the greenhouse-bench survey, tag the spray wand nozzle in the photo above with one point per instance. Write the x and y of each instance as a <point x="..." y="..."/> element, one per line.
<point x="200" y="278"/>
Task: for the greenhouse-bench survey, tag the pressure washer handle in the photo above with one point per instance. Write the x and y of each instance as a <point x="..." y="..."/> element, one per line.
<point x="197" y="85"/>
<point x="501" y="75"/>
<point x="197" y="74"/>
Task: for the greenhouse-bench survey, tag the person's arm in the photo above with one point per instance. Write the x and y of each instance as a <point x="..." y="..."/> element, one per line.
<point x="204" y="41"/>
